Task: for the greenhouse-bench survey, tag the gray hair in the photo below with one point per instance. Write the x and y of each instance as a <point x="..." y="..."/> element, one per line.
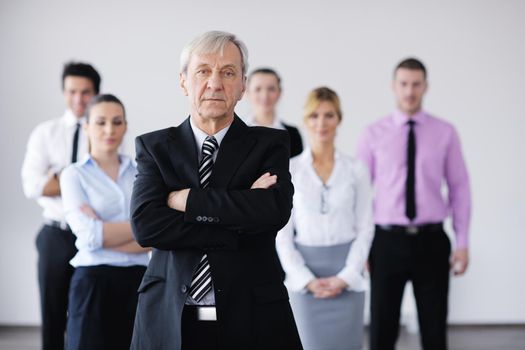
<point x="212" y="42"/>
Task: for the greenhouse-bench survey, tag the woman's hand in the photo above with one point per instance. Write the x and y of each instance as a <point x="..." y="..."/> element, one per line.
<point x="328" y="287"/>
<point x="86" y="210"/>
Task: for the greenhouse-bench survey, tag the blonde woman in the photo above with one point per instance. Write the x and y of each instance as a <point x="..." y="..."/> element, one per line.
<point x="109" y="264"/>
<point x="333" y="227"/>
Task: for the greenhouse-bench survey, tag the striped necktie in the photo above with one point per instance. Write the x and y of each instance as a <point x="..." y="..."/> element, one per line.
<point x="201" y="282"/>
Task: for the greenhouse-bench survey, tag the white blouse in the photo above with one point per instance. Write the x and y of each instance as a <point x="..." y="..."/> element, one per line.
<point x="337" y="212"/>
<point x="49" y="149"/>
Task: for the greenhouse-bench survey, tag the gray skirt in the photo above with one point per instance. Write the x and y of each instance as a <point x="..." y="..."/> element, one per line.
<point x="333" y="323"/>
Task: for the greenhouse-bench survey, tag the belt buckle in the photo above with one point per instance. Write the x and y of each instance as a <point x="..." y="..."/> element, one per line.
<point x="412" y="230"/>
<point x="206" y="313"/>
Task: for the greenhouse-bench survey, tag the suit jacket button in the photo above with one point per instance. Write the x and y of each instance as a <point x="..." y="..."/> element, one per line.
<point x="216" y="219"/>
<point x="204" y="218"/>
<point x="210" y="219"/>
<point x="199" y="218"/>
<point x="184" y="288"/>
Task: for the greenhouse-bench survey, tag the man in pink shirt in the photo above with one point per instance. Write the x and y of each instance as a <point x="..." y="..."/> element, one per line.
<point x="411" y="154"/>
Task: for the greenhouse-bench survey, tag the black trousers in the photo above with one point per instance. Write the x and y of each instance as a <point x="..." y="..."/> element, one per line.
<point x="56" y="247"/>
<point x="102" y="306"/>
<point x="396" y="258"/>
<point x="197" y="335"/>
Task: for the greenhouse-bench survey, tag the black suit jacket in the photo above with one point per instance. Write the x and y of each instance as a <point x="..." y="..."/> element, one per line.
<point x="233" y="225"/>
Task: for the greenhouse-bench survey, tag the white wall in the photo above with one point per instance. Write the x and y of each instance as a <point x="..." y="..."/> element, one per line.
<point x="474" y="51"/>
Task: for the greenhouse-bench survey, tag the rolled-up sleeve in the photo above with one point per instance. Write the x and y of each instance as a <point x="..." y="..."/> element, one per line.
<point x="89" y="231"/>
<point x="35" y="167"/>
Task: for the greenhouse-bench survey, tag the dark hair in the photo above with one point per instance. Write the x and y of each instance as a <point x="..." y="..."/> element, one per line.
<point x="79" y="69"/>
<point x="413" y="64"/>
<point x="104" y="98"/>
<point x="266" y="70"/>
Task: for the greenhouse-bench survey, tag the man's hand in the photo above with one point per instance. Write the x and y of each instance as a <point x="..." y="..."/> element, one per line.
<point x="177" y="199"/>
<point x="88" y="211"/>
<point x="52" y="186"/>
<point x="265" y="181"/>
<point x="459" y="261"/>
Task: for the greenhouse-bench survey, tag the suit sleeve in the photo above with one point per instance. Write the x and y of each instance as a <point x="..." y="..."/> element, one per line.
<point x="155" y="224"/>
<point x="249" y="211"/>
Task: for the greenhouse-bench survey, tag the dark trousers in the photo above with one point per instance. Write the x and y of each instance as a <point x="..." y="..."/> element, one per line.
<point x="396" y="258"/>
<point x="197" y="335"/>
<point x="56" y="247"/>
<point x="102" y="305"/>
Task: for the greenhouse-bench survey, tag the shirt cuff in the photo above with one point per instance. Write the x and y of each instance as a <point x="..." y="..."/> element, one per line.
<point x="461" y="240"/>
<point x="354" y="279"/>
<point x="95" y="237"/>
<point x="297" y="282"/>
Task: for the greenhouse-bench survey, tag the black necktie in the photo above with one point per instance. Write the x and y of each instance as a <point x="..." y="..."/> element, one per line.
<point x="75" y="144"/>
<point x="410" y="198"/>
<point x="201" y="282"/>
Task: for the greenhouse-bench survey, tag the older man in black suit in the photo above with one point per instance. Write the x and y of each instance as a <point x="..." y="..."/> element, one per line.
<point x="210" y="196"/>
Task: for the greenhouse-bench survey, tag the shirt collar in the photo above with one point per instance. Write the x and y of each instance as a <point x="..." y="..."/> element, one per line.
<point x="125" y="162"/>
<point x="70" y="119"/>
<point x="200" y="135"/>
<point x="277" y="123"/>
<point x="307" y="157"/>
<point x="401" y="118"/>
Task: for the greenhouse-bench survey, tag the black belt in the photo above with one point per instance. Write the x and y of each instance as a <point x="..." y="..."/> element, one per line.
<point x="58" y="224"/>
<point x="412" y="229"/>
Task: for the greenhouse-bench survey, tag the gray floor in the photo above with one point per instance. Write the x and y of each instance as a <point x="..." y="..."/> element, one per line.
<point x="460" y="338"/>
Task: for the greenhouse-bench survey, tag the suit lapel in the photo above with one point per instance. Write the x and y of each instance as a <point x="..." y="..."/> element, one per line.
<point x="183" y="154"/>
<point x="233" y="150"/>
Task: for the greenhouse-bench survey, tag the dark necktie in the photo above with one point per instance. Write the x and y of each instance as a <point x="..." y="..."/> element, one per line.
<point x="410" y="199"/>
<point x="201" y="282"/>
<point x="75" y="144"/>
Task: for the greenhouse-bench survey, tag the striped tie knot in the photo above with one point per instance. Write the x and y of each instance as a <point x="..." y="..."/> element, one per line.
<point x="209" y="147"/>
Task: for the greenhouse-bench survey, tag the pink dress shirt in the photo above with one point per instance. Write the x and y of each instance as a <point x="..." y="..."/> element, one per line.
<point x="383" y="147"/>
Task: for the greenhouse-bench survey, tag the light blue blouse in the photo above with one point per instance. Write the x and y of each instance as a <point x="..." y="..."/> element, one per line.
<point x="86" y="183"/>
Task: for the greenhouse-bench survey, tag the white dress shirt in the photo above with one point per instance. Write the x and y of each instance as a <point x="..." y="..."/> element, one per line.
<point x="49" y="150"/>
<point x="337" y="212"/>
<point x="200" y="137"/>
<point x="86" y="183"/>
<point x="277" y="123"/>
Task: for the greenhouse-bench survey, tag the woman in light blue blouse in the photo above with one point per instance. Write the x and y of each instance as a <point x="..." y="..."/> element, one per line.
<point x="109" y="265"/>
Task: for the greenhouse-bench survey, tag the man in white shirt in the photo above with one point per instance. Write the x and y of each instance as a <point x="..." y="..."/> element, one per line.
<point x="52" y="146"/>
